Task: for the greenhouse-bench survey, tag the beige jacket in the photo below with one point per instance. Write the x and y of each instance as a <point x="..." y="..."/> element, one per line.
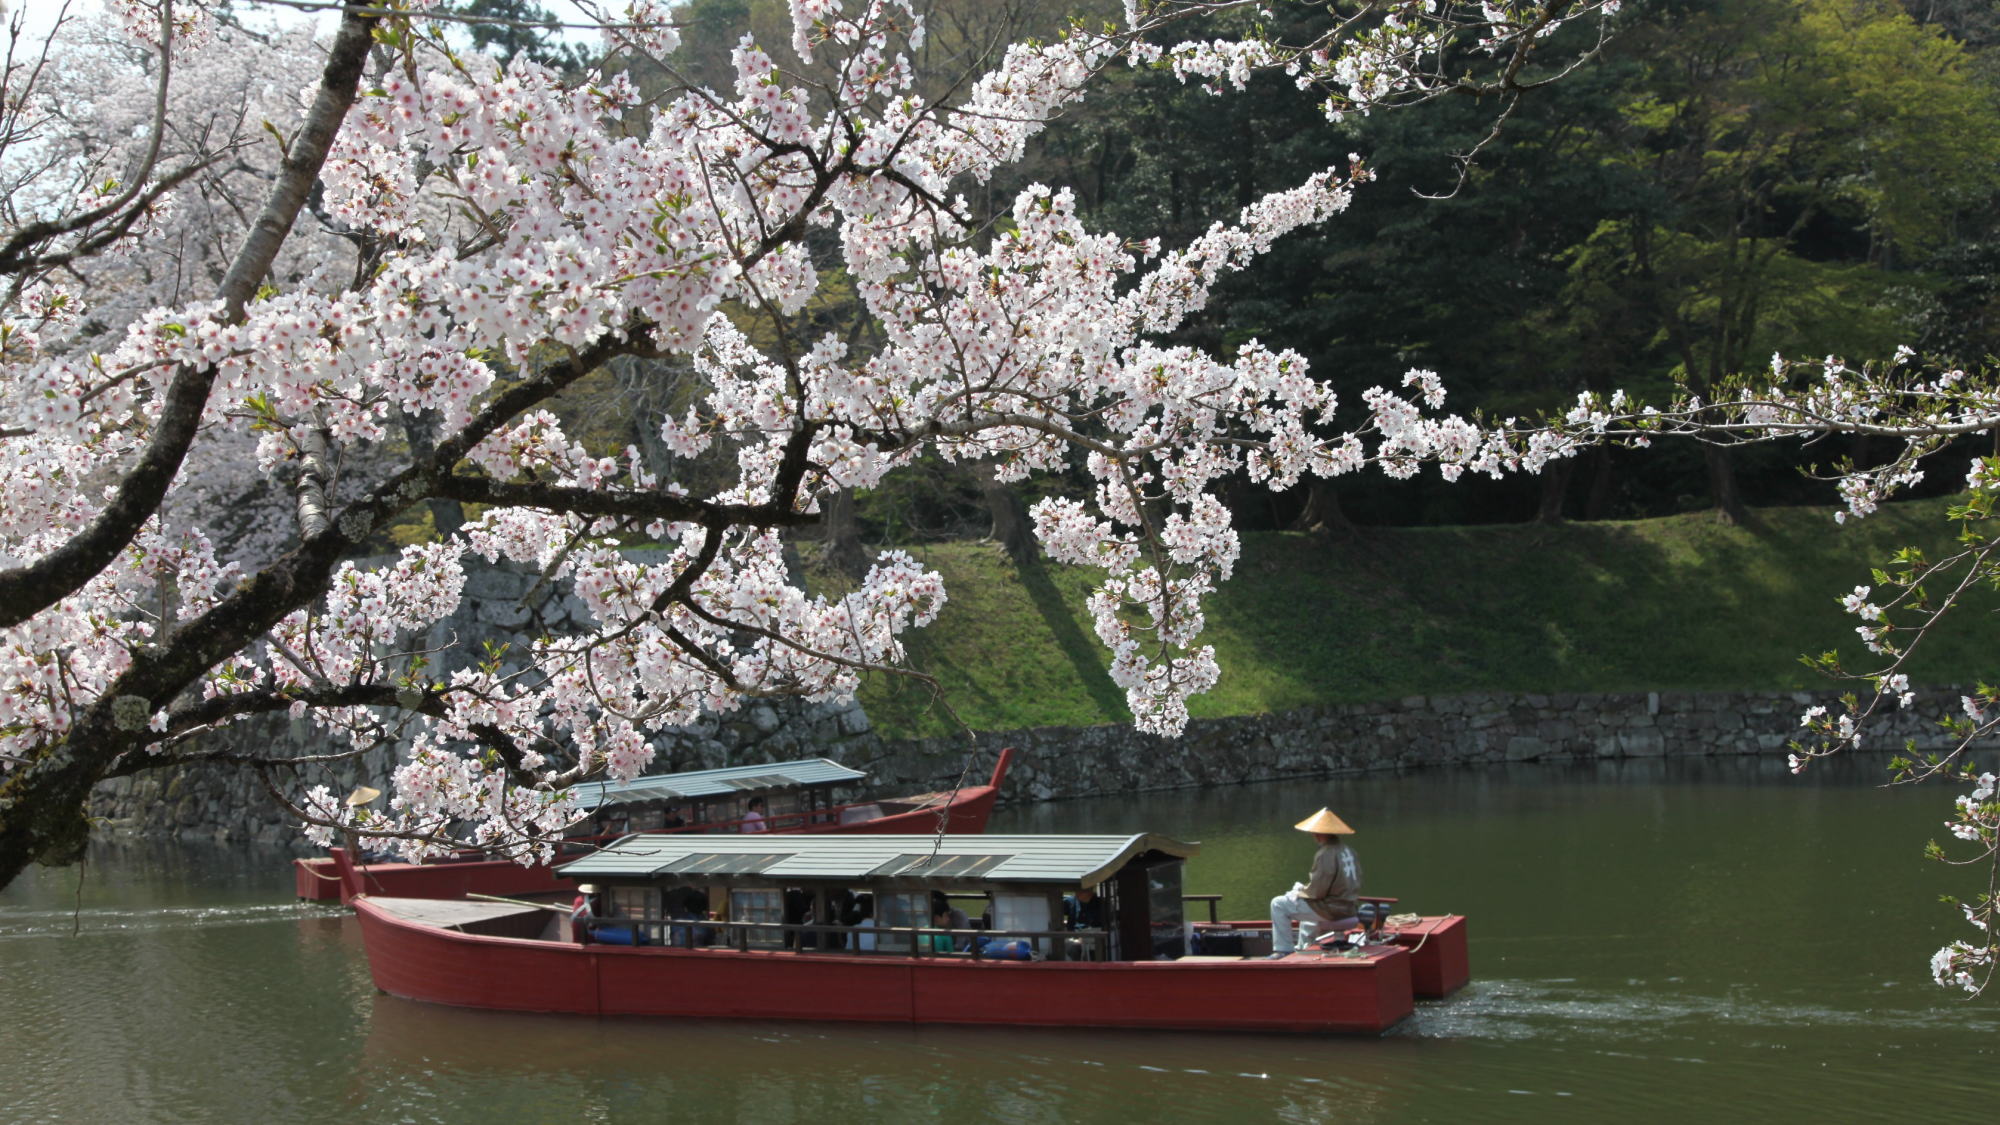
<point x="1334" y="887"/>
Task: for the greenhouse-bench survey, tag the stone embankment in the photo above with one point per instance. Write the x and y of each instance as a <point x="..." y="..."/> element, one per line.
<point x="232" y="803"/>
<point x="1424" y="732"/>
<point x="1056" y="763"/>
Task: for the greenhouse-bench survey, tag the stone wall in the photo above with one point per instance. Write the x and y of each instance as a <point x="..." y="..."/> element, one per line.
<point x="1418" y="732"/>
<point x="1055" y="763"/>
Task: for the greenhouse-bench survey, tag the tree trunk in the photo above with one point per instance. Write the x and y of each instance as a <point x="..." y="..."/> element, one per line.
<point x="1555" y="490"/>
<point x="1603" y="475"/>
<point x="1729" y="506"/>
<point x="1323" y="511"/>
<point x="1011" y="527"/>
<point x="844" y="551"/>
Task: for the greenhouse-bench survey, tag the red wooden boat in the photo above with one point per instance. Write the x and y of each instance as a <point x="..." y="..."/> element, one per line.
<point x="798" y="798"/>
<point x="1440" y="954"/>
<point x="760" y="956"/>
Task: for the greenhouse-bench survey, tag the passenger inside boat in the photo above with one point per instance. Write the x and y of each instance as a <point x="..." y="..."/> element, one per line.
<point x="1084" y="910"/>
<point x="686" y="904"/>
<point x="954" y="918"/>
<point x="864" y="923"/>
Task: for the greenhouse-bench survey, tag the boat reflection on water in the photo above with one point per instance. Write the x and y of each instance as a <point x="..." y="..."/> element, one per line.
<point x="641" y="1068"/>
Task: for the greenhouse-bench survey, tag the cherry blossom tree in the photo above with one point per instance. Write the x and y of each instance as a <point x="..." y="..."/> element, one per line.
<point x="208" y="403"/>
<point x="445" y="246"/>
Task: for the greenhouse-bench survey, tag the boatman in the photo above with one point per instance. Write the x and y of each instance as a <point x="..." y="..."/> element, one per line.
<point x="1330" y="894"/>
<point x="582" y="913"/>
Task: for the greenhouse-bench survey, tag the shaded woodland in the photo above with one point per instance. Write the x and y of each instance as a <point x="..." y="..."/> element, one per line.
<point x="1725" y="180"/>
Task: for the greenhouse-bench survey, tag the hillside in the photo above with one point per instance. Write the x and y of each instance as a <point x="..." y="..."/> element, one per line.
<point x="1668" y="604"/>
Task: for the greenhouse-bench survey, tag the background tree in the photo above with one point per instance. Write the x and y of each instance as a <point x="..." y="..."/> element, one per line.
<point x="1798" y="152"/>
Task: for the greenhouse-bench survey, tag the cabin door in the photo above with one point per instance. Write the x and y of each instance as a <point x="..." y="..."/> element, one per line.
<point x="1132" y="926"/>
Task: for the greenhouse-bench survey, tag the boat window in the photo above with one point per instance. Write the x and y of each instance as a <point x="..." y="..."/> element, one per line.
<point x="759" y="906"/>
<point x="855" y="814"/>
<point x="647" y="819"/>
<point x="900" y="910"/>
<point x="1015" y="910"/>
<point x="610" y="824"/>
<point x="635" y="902"/>
<point x="1166" y="913"/>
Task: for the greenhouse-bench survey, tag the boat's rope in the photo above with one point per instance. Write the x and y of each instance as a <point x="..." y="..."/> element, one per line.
<point x="1401" y="920"/>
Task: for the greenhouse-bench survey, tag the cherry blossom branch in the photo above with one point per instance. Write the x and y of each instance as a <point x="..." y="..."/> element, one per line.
<point x="599" y="502"/>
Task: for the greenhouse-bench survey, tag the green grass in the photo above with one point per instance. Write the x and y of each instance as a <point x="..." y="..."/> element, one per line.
<point x="1683" y="603"/>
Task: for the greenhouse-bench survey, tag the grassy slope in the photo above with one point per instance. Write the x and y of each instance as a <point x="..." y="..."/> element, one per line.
<point x="1678" y="603"/>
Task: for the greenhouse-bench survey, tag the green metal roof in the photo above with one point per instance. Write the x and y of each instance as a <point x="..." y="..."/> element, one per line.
<point x="862" y="857"/>
<point x="716" y="783"/>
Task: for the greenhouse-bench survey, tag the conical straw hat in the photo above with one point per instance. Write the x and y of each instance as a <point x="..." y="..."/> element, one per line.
<point x="1324" y="822"/>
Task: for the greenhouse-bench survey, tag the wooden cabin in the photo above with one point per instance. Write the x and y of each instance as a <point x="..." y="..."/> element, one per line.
<point x="795" y="793"/>
<point x="1019" y="894"/>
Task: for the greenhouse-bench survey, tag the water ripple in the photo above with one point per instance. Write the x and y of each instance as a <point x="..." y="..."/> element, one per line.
<point x="101" y="921"/>
<point x="1522" y="1009"/>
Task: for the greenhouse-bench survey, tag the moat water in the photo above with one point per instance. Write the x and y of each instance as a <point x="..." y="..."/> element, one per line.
<point x="1651" y="941"/>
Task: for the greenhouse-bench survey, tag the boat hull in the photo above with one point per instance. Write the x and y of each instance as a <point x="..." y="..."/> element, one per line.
<point x="1440" y="952"/>
<point x="1305" y="993"/>
<point x="1440" y="955"/>
<point x="317" y="880"/>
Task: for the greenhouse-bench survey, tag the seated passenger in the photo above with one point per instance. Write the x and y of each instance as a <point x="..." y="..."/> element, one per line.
<point x="955" y="919"/>
<point x="1084" y="911"/>
<point x="753" y="816"/>
<point x="864" y="924"/>
<point x="840" y="911"/>
<point x="688" y="905"/>
<point x="940" y="943"/>
<point x="799" y="912"/>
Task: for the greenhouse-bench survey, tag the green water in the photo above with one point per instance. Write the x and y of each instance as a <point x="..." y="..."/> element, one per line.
<point x="1651" y="941"/>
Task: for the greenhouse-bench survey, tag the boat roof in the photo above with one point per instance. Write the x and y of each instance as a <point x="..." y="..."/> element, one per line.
<point x="861" y="857"/>
<point x="716" y="783"/>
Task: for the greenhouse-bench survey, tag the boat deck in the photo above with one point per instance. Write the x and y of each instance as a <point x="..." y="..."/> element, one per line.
<point x="449" y="913"/>
<point x="470" y="916"/>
